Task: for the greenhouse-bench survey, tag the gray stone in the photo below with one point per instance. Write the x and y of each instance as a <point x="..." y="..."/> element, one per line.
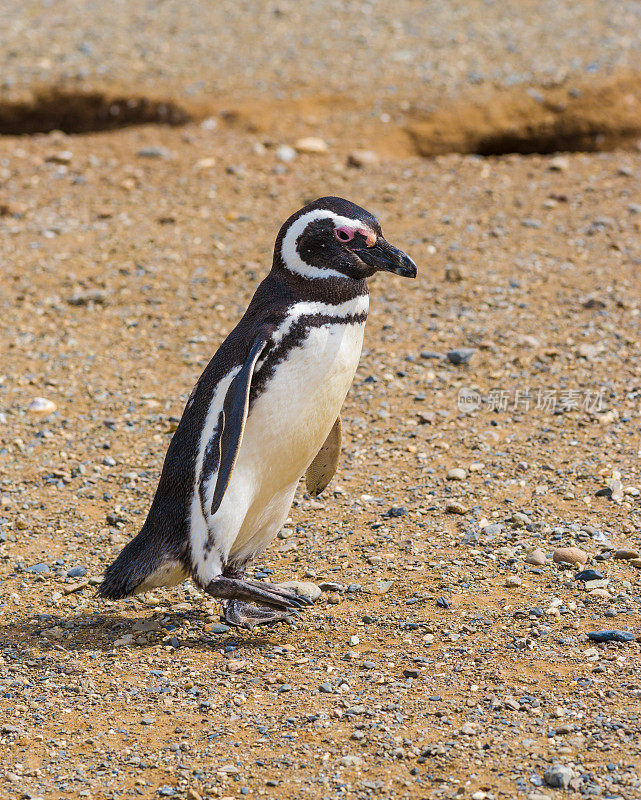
<point x="88" y="297"/>
<point x="558" y="776"/>
<point x="611" y="636"/>
<point x="39" y="569"/>
<point x="494" y="529"/>
<point x="461" y="355"/>
<point x="77" y="572"/>
<point x="219" y="627"/>
<point x="153" y="152"/>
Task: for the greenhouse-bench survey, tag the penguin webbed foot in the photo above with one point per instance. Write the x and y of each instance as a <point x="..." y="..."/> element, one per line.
<point x="243" y="615"/>
<point x="264" y="594"/>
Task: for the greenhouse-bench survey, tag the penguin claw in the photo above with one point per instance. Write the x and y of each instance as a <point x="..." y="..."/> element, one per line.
<point x="242" y="615"/>
<point x="299" y="598"/>
<point x="255" y="592"/>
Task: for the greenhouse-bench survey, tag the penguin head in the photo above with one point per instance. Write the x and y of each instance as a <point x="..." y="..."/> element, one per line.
<point x="334" y="238"/>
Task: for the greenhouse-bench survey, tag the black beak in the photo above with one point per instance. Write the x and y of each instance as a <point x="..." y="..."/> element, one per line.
<point x="384" y="256"/>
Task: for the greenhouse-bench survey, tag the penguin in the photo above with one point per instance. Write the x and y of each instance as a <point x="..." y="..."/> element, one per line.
<point x="265" y="412"/>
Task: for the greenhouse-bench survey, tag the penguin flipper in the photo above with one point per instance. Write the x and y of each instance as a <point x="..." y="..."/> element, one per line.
<point x="323" y="467"/>
<point x="235" y="408"/>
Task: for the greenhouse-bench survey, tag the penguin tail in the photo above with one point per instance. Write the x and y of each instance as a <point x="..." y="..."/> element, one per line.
<point x="134" y="568"/>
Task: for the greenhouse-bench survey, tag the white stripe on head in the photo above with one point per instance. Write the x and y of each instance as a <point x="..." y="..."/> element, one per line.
<point x="289" y="249"/>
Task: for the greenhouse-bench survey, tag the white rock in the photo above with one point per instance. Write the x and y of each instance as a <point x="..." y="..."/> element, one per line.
<point x="456" y="474"/>
<point x="597" y="583"/>
<point x="205" y="163"/>
<point x="302" y="588"/>
<point x="311" y="144"/>
<point x="536" y="557"/>
<point x="560" y="164"/>
<point x="41" y="405"/>
<point x="285" y="153"/>
<point x="602" y="593"/>
<point x="362" y="158"/>
<point x="351" y="761"/>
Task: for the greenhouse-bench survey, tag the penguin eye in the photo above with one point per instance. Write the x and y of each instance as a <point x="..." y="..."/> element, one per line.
<point x="344" y="234"/>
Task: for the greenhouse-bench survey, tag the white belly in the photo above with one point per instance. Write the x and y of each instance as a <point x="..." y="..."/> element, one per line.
<point x="286" y="427"/>
<point x="289" y="422"/>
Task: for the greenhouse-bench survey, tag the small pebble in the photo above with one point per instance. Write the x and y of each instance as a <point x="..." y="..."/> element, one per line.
<point x="285" y="153"/>
<point x="153" y="152"/>
<point x="302" y="589"/>
<point x="570" y="555"/>
<point x="39" y="569"/>
<point x="453" y="273"/>
<point x="456" y="474"/>
<point x="461" y="355"/>
<point x="218" y="628"/>
<point x="559" y="164"/>
<point x="77" y="572"/>
<point x="311" y="144"/>
<point x="362" y="158"/>
<point x="41" y="405"/>
<point x="88" y="297"/>
<point x="493" y="529"/>
<point x="558" y="776"/>
<point x="626" y="554"/>
<point x="596" y="583"/>
<point x="588" y="575"/>
<point x="536" y="558"/>
<point x="61" y="157"/>
<point x="611" y="636"/>
<point x="454" y="507"/>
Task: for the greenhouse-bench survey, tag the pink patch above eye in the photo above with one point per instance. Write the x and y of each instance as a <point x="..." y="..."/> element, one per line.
<point x="344" y="234"/>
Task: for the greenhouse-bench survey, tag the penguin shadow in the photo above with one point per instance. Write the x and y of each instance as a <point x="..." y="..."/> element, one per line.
<point x="108" y="631"/>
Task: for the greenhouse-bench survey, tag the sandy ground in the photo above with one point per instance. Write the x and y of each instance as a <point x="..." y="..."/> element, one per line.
<point x="437" y="662"/>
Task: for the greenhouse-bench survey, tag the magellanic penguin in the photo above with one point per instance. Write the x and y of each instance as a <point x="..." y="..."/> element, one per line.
<point x="265" y="411"/>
